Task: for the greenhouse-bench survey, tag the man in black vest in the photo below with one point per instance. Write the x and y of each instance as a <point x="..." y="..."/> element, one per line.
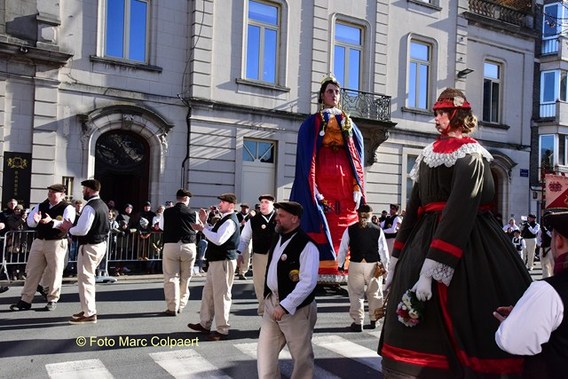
<point x="243" y="261"/>
<point x="48" y="249"/>
<point x="537" y="326"/>
<point x="367" y="244"/>
<point x="221" y="254"/>
<point x="92" y="231"/>
<point x="259" y="229"/>
<point x="529" y="232"/>
<point x="391" y="225"/>
<point x="290" y="312"/>
<point x="179" y="251"/>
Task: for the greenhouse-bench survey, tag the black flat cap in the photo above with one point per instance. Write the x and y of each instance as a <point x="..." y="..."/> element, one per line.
<point x="228" y="197"/>
<point x="93" y="184"/>
<point x="365" y="208"/>
<point x="183" y="192"/>
<point x="266" y="196"/>
<point x="58" y="188"/>
<point x="291" y="207"/>
<point x="532" y="215"/>
<point x="245" y="205"/>
<point x="558" y="221"/>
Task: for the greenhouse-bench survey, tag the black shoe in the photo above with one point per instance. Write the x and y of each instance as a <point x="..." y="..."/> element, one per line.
<point x="42" y="292"/>
<point x="167" y="312"/>
<point x="242" y="277"/>
<point x="356" y="327"/>
<point x="51" y="305"/>
<point x="216" y="336"/>
<point x="4" y="289"/>
<point x="21" y="306"/>
<point x="373" y="324"/>
<point x="199" y="328"/>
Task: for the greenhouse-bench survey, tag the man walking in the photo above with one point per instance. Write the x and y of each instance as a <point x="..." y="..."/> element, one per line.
<point x="223" y="240"/>
<point x="537" y="327"/>
<point x="179" y="251"/>
<point x="243" y="262"/>
<point x="391" y="225"/>
<point x="368" y="247"/>
<point x="259" y="229"/>
<point x="48" y="249"/>
<point x="92" y="231"/>
<point x="529" y="233"/>
<point x="290" y="308"/>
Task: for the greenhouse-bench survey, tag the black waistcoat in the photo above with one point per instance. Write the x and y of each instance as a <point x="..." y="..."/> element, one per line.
<point x="227" y="250"/>
<point x="364" y="242"/>
<point x="46" y="231"/>
<point x="101" y="225"/>
<point x="262" y="233"/>
<point x="177" y="224"/>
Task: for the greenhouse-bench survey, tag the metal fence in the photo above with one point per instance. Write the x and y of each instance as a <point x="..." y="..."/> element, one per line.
<point x="123" y="249"/>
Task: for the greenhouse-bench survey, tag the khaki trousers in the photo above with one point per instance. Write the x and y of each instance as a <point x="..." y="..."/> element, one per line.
<point x="531" y="247"/>
<point x="48" y="256"/>
<point x="178" y="261"/>
<point x="88" y="258"/>
<point x="292" y="330"/>
<point x="244" y="267"/>
<point x="361" y="282"/>
<point x="547" y="263"/>
<point x="259" y="262"/>
<point x="216" y="299"/>
<point x="390" y="245"/>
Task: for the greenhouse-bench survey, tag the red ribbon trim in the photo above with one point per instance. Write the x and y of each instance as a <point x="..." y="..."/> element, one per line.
<point x="447" y="247"/>
<point x="414" y="357"/>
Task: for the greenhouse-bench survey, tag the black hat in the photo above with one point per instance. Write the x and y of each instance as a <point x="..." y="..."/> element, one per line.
<point x="557" y="221"/>
<point x="182" y="193"/>
<point x="365" y="208"/>
<point x="245" y="205"/>
<point x="532" y="215"/>
<point x="228" y="197"/>
<point x="267" y="197"/>
<point x="291" y="207"/>
<point x="58" y="188"/>
<point x="148" y="204"/>
<point x="93" y="184"/>
<point x="395" y="206"/>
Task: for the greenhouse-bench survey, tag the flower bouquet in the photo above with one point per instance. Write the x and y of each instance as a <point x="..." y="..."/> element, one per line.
<point x="410" y="310"/>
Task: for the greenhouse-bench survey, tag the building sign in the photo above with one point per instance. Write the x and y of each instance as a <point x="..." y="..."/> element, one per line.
<point x="556" y="190"/>
<point x="17" y="178"/>
<point x="524" y="173"/>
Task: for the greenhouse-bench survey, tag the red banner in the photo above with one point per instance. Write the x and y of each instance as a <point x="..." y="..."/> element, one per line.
<point x="556" y="191"/>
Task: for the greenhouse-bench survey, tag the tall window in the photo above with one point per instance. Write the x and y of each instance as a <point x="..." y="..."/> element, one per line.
<point x="546" y="151"/>
<point x="419" y="71"/>
<point x="551" y="27"/>
<point x="347" y="55"/>
<point x="126" y="29"/>
<point x="262" y="41"/>
<point x="491" y="91"/>
<point x="553" y="87"/>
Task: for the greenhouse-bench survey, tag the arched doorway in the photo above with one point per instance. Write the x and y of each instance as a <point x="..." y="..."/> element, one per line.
<point x="122" y="167"/>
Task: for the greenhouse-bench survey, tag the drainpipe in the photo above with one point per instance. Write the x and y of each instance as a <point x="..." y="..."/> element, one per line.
<point x="184" y="169"/>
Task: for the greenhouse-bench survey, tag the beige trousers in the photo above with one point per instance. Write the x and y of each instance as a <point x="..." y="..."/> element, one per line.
<point x="259" y="262"/>
<point x="292" y="330"/>
<point x="178" y="261"/>
<point x="531" y="247"/>
<point x="360" y="283"/>
<point x="88" y="258"/>
<point x="216" y="299"/>
<point x="244" y="267"/>
<point x="390" y="244"/>
<point x="547" y="263"/>
<point x="48" y="256"/>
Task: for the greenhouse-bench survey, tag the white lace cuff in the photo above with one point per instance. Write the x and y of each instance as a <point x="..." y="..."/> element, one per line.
<point x="438" y="271"/>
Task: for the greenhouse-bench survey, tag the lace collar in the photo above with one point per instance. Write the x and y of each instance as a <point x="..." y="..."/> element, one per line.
<point x="446" y="151"/>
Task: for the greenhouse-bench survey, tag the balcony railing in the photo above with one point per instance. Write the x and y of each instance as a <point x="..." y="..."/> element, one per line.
<point x="549" y="46"/>
<point x="557" y="111"/>
<point x="366" y="105"/>
<point x="512" y="11"/>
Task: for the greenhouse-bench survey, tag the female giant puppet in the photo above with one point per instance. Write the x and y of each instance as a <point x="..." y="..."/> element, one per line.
<point x="451" y="251"/>
<point x="329" y="177"/>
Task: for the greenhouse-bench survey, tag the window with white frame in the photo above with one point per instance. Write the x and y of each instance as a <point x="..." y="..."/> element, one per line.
<point x="552" y="14"/>
<point x="348" y="51"/>
<point x="126" y="29"/>
<point x="553" y="87"/>
<point x="491" y="91"/>
<point x="419" y="72"/>
<point x="260" y="151"/>
<point x="263" y="34"/>
<point x="409" y="157"/>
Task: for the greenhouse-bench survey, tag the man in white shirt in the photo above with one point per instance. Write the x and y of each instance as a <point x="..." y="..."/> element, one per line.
<point x="290" y="311"/>
<point x="536" y="326"/>
<point x="391" y="225"/>
<point x="529" y="232"/>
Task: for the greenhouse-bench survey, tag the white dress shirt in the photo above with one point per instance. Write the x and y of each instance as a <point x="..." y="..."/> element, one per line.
<point x="309" y="265"/>
<point x="536" y="315"/>
<point x="85" y="220"/>
<point x="383" y="249"/>
<point x="68" y="214"/>
<point x="224" y="232"/>
<point x="246" y="233"/>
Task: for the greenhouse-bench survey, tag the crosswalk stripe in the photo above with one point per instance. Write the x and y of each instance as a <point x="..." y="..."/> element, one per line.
<point x="89" y="368"/>
<point x="285" y="361"/>
<point x="187" y="364"/>
<point x="356" y="352"/>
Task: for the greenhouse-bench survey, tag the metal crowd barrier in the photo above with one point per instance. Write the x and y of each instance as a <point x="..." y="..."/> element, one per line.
<point x="123" y="248"/>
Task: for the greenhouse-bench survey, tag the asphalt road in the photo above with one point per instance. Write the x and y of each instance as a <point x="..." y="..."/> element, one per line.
<point x="133" y="340"/>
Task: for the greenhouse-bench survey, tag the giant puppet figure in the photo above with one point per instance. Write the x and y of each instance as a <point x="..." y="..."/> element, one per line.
<point x="329" y="177"/>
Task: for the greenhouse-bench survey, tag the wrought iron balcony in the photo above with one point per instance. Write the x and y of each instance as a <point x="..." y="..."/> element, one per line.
<point x="366" y="105"/>
<point x="516" y="12"/>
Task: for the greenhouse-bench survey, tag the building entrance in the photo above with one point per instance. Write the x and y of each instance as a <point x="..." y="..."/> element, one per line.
<point x="122" y="166"/>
